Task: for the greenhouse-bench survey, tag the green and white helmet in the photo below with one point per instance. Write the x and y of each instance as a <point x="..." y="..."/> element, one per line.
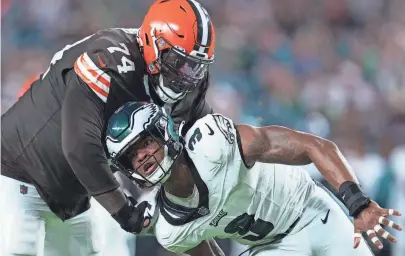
<point x="131" y="123"/>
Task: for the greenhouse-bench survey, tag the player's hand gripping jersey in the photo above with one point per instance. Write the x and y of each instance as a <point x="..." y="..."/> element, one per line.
<point x="52" y="137"/>
<point x="248" y="204"/>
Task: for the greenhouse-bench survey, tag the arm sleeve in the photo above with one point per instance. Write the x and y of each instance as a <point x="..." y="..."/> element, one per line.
<point x="82" y="124"/>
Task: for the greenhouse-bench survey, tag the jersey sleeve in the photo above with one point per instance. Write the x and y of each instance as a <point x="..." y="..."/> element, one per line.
<point x="212" y="139"/>
<point x="82" y="122"/>
<point x="108" y="64"/>
<point x="94" y="74"/>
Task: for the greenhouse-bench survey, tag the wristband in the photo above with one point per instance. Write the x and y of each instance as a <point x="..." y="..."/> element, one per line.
<point x="353" y="197"/>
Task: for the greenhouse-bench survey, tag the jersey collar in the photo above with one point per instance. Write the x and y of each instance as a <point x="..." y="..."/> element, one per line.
<point x="176" y="214"/>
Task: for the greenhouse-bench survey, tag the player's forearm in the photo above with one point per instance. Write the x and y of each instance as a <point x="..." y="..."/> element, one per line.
<point x="334" y="167"/>
<point x="112" y="201"/>
<point x="330" y="162"/>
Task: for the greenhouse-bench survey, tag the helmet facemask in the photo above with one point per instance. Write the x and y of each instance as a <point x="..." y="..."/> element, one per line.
<point x="161" y="134"/>
<point x="175" y="73"/>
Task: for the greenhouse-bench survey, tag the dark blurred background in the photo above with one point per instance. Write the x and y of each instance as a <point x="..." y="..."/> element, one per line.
<point x="335" y="68"/>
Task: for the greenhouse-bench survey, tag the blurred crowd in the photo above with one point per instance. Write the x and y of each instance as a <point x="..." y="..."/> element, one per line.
<point x="335" y="68"/>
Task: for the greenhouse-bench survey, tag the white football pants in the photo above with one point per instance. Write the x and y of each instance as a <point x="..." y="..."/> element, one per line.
<point x="28" y="227"/>
<point x="312" y="237"/>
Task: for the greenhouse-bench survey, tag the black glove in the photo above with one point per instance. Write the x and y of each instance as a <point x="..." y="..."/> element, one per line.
<point x="132" y="218"/>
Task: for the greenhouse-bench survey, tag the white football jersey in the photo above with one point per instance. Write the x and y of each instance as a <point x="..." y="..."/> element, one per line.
<point x="249" y="205"/>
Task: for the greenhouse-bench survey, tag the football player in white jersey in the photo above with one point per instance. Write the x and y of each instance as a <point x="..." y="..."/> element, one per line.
<point x="222" y="180"/>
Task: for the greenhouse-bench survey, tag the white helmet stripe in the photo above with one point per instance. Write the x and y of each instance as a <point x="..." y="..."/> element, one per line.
<point x="204" y="23"/>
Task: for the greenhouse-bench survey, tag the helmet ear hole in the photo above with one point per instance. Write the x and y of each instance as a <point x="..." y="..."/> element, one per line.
<point x="147" y="39"/>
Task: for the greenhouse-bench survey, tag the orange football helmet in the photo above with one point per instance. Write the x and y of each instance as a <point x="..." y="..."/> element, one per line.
<point x="177" y="39"/>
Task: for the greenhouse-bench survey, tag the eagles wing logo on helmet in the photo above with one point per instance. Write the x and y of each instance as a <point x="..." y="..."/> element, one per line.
<point x="149" y="110"/>
<point x="122" y="127"/>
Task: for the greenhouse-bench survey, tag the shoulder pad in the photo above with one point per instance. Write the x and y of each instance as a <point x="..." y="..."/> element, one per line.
<point x="213" y="136"/>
